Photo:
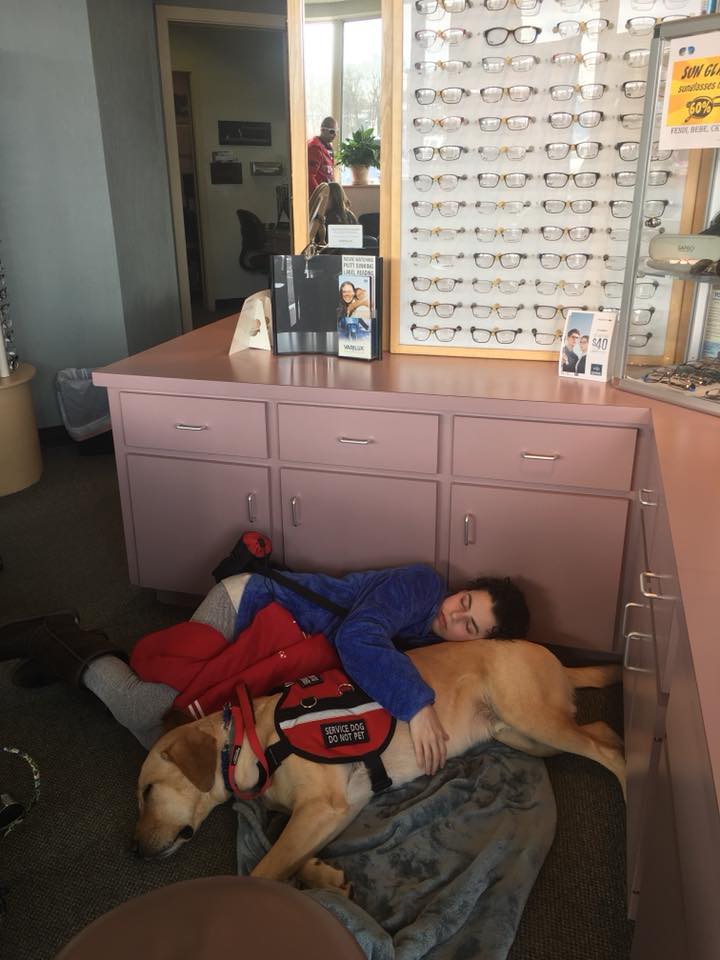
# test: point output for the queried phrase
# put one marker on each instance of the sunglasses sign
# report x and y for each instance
(691, 111)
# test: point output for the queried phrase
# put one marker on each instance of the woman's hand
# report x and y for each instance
(429, 740)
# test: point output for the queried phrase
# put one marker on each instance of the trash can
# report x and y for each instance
(83, 406)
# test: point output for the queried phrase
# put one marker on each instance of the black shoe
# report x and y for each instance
(64, 651)
(30, 674)
(15, 637)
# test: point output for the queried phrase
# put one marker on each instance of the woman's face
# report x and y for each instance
(467, 615)
(347, 292)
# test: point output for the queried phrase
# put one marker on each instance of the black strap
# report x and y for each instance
(240, 560)
(281, 750)
(275, 754)
(379, 779)
(305, 592)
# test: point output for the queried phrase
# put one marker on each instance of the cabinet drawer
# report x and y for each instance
(359, 438)
(194, 424)
(557, 453)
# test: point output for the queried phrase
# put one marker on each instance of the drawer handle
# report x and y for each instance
(628, 607)
(252, 512)
(295, 511)
(539, 456)
(626, 656)
(466, 529)
(645, 496)
(361, 443)
(195, 427)
(645, 590)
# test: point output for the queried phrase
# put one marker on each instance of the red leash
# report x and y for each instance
(241, 719)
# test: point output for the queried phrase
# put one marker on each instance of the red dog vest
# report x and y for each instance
(326, 718)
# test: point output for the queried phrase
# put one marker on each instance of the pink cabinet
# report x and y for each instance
(187, 514)
(564, 549)
(660, 928)
(660, 589)
(338, 522)
(697, 819)
(644, 717)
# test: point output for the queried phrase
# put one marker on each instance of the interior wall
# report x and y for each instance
(126, 72)
(58, 246)
(228, 66)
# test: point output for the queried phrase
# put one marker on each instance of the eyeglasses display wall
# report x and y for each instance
(520, 138)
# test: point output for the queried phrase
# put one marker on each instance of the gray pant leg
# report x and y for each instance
(139, 705)
(219, 608)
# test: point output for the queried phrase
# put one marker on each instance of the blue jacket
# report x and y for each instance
(384, 605)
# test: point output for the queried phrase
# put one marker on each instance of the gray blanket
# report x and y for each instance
(442, 867)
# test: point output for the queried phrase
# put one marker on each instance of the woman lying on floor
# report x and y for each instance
(185, 666)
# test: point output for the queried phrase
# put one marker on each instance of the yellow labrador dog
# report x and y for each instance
(512, 691)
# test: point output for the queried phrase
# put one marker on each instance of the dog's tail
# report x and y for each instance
(600, 676)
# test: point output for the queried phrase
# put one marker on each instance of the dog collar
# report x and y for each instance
(239, 722)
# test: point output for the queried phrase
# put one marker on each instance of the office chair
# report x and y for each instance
(253, 255)
(370, 222)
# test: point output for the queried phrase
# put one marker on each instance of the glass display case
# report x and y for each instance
(669, 316)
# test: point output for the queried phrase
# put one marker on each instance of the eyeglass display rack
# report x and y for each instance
(585, 58)
(688, 373)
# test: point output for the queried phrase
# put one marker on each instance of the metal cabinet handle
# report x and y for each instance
(252, 512)
(466, 529)
(361, 443)
(295, 511)
(628, 605)
(645, 496)
(191, 426)
(646, 591)
(539, 456)
(626, 655)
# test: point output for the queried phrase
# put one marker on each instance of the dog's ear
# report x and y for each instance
(195, 753)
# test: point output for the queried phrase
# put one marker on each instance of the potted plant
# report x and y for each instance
(360, 152)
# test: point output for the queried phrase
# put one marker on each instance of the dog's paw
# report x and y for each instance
(316, 873)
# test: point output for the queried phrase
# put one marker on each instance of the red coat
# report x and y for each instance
(320, 163)
(197, 660)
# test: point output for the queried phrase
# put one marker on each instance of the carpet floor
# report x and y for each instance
(61, 544)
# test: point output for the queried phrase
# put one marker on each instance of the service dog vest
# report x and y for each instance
(327, 718)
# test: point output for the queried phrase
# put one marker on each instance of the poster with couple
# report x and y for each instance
(356, 308)
(585, 350)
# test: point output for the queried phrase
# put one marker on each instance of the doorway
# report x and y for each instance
(188, 185)
(228, 153)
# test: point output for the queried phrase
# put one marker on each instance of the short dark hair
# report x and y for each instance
(574, 331)
(509, 606)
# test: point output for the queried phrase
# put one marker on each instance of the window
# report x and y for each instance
(361, 56)
(342, 58)
(319, 59)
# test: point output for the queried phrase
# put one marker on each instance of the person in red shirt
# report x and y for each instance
(320, 154)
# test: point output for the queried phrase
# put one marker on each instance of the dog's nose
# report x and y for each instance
(186, 833)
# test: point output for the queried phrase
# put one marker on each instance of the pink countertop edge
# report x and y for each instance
(688, 443)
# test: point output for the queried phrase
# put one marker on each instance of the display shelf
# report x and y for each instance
(692, 328)
(519, 138)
